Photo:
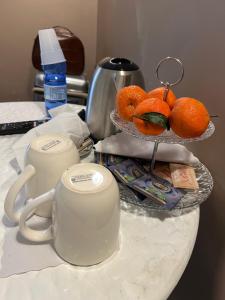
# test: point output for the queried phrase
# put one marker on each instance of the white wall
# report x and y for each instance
(19, 23)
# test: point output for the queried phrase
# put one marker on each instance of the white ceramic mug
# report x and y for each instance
(85, 217)
(46, 159)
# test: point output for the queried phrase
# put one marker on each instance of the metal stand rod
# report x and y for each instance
(167, 86)
(166, 91)
(153, 156)
(157, 179)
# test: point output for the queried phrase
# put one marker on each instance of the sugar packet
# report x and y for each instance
(183, 176)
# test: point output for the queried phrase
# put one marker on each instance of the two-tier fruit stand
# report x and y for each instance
(191, 198)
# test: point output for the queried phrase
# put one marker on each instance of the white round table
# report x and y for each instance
(153, 254)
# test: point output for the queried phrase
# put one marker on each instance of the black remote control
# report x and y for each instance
(19, 127)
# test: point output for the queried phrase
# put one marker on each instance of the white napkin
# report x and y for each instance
(127, 145)
(20, 255)
(65, 108)
(65, 121)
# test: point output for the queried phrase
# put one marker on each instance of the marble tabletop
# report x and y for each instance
(154, 249)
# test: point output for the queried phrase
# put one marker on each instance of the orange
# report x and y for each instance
(189, 118)
(127, 100)
(159, 93)
(153, 105)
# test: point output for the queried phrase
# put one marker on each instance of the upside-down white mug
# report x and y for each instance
(85, 215)
(47, 157)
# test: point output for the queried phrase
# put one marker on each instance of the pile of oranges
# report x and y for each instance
(152, 114)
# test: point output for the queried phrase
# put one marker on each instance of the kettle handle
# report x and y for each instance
(121, 80)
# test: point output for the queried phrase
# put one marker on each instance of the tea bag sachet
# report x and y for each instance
(135, 174)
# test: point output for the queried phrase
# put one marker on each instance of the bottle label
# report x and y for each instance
(55, 93)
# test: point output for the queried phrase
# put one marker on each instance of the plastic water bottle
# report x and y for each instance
(55, 92)
(54, 67)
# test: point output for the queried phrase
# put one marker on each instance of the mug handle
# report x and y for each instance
(32, 234)
(13, 192)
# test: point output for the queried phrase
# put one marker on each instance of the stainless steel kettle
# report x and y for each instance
(110, 75)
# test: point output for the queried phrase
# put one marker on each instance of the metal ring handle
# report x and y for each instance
(179, 63)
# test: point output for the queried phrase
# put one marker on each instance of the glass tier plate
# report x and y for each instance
(190, 200)
(168, 136)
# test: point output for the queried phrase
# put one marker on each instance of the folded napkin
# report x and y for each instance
(65, 108)
(127, 145)
(65, 121)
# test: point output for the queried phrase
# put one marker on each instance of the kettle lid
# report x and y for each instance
(118, 64)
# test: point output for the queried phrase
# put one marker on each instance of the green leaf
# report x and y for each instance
(155, 118)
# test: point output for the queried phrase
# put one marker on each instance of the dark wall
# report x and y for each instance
(146, 31)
